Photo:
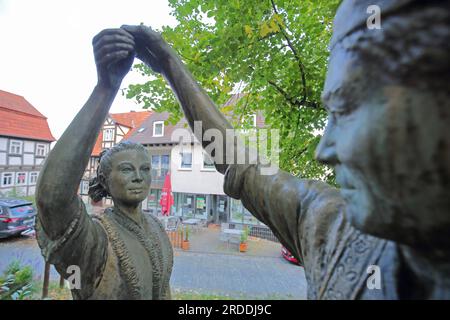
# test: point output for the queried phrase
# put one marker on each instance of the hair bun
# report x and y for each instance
(96, 191)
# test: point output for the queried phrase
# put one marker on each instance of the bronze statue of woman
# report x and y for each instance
(121, 254)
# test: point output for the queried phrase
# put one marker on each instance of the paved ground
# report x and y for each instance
(209, 267)
(246, 277)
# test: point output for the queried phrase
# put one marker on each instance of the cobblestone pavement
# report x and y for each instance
(216, 268)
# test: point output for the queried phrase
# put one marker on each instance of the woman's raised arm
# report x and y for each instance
(56, 194)
(196, 104)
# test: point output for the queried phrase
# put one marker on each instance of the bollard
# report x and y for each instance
(46, 280)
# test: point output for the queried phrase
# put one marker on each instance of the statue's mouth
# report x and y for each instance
(343, 178)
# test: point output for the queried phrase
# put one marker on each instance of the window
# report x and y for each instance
(158, 128)
(84, 187)
(240, 214)
(208, 164)
(153, 202)
(108, 135)
(160, 166)
(21, 178)
(164, 165)
(40, 150)
(7, 179)
(33, 178)
(15, 147)
(186, 160)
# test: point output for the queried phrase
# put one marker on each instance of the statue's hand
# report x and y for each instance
(114, 51)
(150, 46)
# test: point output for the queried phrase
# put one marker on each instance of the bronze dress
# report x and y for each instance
(308, 218)
(118, 258)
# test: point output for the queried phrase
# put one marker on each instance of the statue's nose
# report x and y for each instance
(326, 150)
(137, 176)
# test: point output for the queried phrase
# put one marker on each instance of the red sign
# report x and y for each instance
(166, 201)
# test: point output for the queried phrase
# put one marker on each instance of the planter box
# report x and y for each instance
(185, 245)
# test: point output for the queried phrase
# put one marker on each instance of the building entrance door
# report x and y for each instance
(222, 206)
(200, 207)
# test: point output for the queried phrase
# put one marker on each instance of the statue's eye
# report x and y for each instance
(126, 170)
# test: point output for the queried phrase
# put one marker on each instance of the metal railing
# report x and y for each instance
(257, 231)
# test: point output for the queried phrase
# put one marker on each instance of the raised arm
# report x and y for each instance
(196, 104)
(57, 187)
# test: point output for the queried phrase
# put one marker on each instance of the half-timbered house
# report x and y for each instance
(25, 139)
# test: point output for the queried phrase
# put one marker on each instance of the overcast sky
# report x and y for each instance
(46, 52)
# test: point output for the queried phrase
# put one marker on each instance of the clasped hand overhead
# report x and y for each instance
(115, 50)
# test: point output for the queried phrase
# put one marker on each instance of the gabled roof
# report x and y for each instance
(18, 118)
(144, 133)
(131, 120)
(98, 145)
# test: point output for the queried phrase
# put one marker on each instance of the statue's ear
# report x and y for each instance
(103, 181)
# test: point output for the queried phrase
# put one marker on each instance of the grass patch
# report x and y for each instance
(178, 294)
(54, 291)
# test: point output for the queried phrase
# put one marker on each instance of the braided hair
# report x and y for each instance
(97, 189)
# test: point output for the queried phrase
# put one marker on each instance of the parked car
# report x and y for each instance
(288, 256)
(16, 217)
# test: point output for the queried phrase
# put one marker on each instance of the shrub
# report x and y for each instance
(16, 282)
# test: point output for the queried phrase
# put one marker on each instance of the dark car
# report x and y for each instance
(288, 256)
(16, 217)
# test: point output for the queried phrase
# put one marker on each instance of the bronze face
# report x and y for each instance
(130, 177)
(388, 142)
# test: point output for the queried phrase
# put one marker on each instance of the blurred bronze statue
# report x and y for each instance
(387, 137)
(121, 254)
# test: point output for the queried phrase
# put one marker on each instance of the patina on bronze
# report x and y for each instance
(121, 254)
(388, 138)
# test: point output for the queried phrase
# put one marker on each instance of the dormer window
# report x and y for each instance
(158, 128)
(108, 135)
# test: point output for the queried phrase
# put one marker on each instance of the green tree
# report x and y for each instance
(274, 52)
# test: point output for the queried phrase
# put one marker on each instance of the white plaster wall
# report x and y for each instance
(15, 161)
(28, 159)
(28, 146)
(3, 158)
(3, 144)
(196, 180)
(31, 191)
(39, 161)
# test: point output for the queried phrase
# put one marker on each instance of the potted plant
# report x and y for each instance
(244, 237)
(185, 243)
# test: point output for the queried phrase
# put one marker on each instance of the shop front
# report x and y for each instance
(192, 205)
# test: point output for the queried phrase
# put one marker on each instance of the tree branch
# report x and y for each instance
(297, 57)
(294, 102)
